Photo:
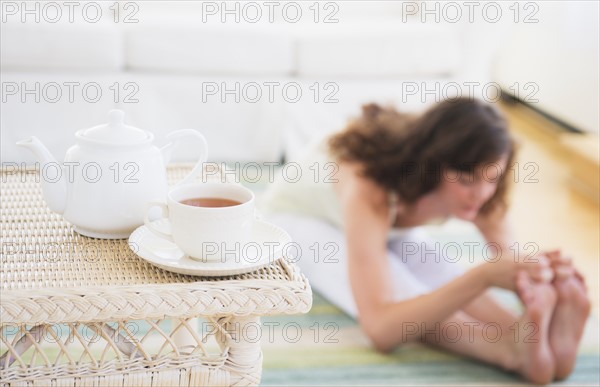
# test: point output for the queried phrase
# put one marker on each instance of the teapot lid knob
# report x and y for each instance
(116, 118)
(116, 132)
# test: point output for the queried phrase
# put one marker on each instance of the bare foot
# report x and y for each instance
(533, 355)
(568, 322)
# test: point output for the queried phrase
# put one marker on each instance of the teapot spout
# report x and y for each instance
(54, 189)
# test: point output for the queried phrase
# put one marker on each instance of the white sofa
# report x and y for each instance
(166, 66)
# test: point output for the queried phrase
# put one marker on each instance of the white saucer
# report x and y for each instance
(267, 246)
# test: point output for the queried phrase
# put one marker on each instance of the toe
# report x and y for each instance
(554, 255)
(543, 274)
(563, 271)
(524, 286)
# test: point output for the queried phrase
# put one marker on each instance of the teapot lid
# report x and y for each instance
(116, 132)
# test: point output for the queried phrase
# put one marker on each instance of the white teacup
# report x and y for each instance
(207, 233)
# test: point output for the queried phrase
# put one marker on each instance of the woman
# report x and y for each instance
(356, 213)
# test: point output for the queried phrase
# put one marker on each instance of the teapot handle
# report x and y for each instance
(179, 136)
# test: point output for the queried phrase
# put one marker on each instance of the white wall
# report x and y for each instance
(559, 53)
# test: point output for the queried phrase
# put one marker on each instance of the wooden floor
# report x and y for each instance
(549, 212)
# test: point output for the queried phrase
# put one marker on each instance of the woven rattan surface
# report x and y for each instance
(52, 274)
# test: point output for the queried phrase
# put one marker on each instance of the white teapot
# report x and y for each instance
(109, 175)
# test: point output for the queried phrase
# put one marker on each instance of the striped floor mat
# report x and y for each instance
(326, 347)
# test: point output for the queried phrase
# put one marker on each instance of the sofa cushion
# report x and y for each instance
(193, 47)
(235, 131)
(62, 46)
(307, 121)
(53, 119)
(377, 49)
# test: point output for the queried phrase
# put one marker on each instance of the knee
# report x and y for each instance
(384, 342)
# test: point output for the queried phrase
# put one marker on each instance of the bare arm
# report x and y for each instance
(365, 209)
(384, 321)
(495, 227)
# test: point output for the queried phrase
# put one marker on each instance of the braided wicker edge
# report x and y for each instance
(179, 300)
(182, 369)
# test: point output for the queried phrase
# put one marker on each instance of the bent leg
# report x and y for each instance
(524, 349)
(424, 258)
(487, 309)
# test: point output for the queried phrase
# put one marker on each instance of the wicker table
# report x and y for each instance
(82, 311)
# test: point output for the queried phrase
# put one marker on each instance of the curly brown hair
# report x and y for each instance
(408, 154)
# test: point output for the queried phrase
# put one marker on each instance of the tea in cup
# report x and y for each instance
(209, 221)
